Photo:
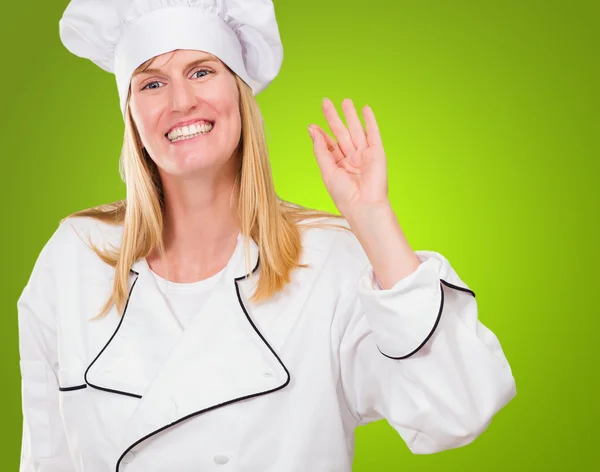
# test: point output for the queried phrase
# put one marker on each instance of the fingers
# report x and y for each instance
(357, 132)
(373, 135)
(350, 139)
(337, 127)
(325, 158)
(332, 145)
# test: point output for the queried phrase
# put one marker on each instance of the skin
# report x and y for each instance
(354, 171)
(197, 174)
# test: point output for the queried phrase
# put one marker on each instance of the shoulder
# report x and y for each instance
(338, 245)
(71, 244)
(76, 233)
(67, 257)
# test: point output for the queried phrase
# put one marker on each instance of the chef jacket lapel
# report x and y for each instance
(142, 341)
(221, 357)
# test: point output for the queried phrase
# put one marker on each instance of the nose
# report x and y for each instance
(183, 95)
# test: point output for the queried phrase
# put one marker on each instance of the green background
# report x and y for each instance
(489, 116)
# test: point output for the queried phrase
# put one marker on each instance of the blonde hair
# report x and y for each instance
(271, 222)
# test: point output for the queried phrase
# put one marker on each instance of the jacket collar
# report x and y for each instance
(236, 267)
(220, 358)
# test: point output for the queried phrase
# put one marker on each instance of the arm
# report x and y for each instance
(44, 447)
(417, 355)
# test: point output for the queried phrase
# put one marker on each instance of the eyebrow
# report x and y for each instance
(154, 70)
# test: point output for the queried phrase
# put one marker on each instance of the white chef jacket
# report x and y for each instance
(278, 386)
(185, 300)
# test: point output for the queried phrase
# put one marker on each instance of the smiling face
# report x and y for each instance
(186, 109)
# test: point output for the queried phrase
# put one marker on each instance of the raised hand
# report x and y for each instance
(354, 167)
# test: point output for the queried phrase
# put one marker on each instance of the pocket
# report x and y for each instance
(37, 405)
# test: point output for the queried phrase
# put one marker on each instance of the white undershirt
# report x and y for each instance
(186, 299)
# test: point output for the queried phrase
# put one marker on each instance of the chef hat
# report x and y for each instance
(120, 35)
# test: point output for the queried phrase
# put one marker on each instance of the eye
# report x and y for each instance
(150, 85)
(208, 71)
(147, 86)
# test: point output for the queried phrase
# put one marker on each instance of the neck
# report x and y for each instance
(200, 229)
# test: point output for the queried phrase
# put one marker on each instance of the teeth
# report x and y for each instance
(189, 131)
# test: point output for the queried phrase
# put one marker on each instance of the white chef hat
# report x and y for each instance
(120, 35)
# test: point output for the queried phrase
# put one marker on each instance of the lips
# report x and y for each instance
(194, 132)
(181, 124)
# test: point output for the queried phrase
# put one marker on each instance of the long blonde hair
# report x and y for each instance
(271, 222)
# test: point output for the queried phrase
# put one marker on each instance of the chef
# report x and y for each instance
(205, 324)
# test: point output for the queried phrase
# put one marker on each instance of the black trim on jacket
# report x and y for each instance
(229, 402)
(68, 389)
(135, 395)
(448, 284)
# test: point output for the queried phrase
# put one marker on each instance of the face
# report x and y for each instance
(186, 109)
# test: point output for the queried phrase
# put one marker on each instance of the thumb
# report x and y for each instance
(325, 158)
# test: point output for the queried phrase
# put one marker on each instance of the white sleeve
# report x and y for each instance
(44, 447)
(417, 355)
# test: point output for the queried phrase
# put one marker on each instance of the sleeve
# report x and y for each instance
(44, 447)
(417, 355)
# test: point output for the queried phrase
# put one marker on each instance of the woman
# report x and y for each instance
(203, 321)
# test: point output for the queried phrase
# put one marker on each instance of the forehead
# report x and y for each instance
(179, 57)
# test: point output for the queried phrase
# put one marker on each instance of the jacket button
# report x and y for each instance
(128, 457)
(221, 459)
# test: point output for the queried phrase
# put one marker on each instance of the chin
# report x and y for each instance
(191, 165)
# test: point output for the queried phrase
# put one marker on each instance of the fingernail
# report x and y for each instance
(310, 131)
